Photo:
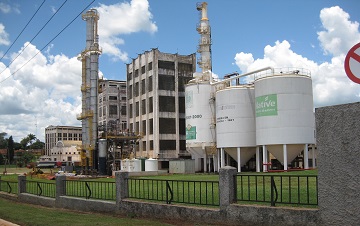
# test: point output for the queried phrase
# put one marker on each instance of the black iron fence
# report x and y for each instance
(9, 186)
(91, 189)
(47, 189)
(294, 190)
(177, 191)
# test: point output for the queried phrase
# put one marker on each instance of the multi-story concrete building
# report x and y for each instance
(156, 102)
(53, 134)
(112, 104)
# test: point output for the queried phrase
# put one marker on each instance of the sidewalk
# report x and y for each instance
(6, 223)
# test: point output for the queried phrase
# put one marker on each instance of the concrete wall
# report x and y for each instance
(338, 143)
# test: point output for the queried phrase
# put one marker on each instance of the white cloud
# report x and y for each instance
(6, 8)
(123, 18)
(340, 33)
(44, 92)
(330, 83)
(4, 36)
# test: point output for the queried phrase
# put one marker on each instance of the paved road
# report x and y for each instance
(6, 223)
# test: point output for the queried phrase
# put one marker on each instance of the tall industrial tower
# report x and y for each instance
(204, 47)
(89, 89)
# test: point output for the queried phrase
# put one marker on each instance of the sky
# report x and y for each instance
(40, 76)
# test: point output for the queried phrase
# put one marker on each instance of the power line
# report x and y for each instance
(23, 49)
(22, 30)
(48, 43)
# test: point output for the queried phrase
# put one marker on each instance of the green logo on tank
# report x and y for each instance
(266, 105)
(190, 132)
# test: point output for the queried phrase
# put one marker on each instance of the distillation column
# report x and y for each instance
(204, 47)
(89, 89)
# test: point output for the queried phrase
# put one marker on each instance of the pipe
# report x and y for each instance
(243, 75)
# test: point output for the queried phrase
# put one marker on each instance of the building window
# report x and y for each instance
(166, 82)
(112, 97)
(150, 66)
(143, 70)
(143, 107)
(123, 110)
(143, 86)
(150, 105)
(113, 110)
(150, 85)
(137, 108)
(166, 104)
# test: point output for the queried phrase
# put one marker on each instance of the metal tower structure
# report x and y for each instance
(204, 47)
(89, 89)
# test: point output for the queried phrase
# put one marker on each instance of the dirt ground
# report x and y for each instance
(22, 170)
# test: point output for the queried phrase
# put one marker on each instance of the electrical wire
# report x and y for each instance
(48, 43)
(23, 49)
(22, 30)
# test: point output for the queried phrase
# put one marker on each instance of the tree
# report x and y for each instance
(27, 141)
(3, 142)
(37, 145)
(11, 148)
(1, 159)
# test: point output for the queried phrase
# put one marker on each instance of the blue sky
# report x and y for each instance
(246, 35)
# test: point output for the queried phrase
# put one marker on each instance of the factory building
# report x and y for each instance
(156, 103)
(112, 105)
(61, 145)
(268, 115)
(53, 134)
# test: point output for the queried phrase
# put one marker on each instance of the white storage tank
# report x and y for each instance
(235, 121)
(284, 113)
(136, 165)
(125, 165)
(151, 164)
(199, 119)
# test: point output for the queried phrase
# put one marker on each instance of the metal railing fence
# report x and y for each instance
(91, 189)
(10, 187)
(294, 190)
(46, 189)
(177, 191)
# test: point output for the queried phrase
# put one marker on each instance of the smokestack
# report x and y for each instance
(204, 47)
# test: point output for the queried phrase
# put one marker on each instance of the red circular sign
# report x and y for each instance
(352, 63)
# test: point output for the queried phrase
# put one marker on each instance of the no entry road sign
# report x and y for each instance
(352, 63)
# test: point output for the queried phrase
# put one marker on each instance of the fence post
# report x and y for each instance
(121, 186)
(272, 190)
(60, 187)
(227, 186)
(21, 184)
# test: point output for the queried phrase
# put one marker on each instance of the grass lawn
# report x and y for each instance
(25, 214)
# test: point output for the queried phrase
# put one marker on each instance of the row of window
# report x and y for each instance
(165, 82)
(113, 111)
(166, 126)
(64, 135)
(166, 104)
(60, 153)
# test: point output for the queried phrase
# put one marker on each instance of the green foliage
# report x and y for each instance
(11, 149)
(37, 145)
(27, 141)
(1, 159)
(3, 141)
(25, 158)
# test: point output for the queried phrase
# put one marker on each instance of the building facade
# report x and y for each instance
(112, 105)
(156, 102)
(53, 134)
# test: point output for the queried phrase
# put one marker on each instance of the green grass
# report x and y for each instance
(25, 214)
